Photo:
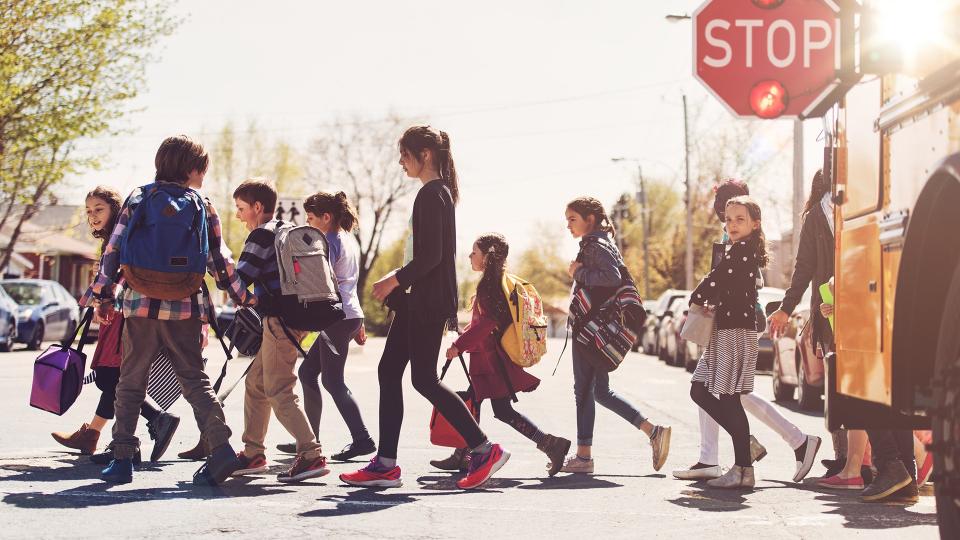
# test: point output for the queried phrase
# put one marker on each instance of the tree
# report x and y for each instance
(361, 155)
(68, 70)
(544, 265)
(376, 316)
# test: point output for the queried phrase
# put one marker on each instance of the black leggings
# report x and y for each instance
(106, 380)
(417, 341)
(503, 411)
(728, 412)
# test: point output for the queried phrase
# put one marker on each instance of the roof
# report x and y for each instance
(54, 230)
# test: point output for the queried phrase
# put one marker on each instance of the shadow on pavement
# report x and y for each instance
(79, 468)
(449, 483)
(570, 481)
(712, 499)
(360, 501)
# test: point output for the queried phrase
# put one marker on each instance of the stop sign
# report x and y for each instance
(768, 58)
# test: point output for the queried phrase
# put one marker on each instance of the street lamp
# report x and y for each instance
(645, 218)
(677, 17)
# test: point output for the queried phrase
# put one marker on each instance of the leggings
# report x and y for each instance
(106, 380)
(503, 411)
(325, 361)
(416, 340)
(728, 411)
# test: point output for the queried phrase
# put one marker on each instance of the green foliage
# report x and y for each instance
(544, 265)
(376, 317)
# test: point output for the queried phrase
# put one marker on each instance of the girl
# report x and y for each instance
(491, 315)
(336, 217)
(103, 209)
(423, 296)
(597, 268)
(728, 363)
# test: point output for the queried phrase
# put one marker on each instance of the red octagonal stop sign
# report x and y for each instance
(768, 58)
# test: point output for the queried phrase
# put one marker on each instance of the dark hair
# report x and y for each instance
(490, 289)
(257, 191)
(112, 198)
(726, 190)
(419, 138)
(588, 206)
(177, 157)
(337, 205)
(819, 187)
(753, 208)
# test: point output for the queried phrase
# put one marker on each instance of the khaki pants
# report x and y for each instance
(269, 385)
(142, 339)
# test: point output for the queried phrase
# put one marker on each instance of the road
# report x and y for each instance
(48, 492)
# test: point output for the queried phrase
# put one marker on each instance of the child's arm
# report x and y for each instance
(473, 336)
(220, 263)
(599, 268)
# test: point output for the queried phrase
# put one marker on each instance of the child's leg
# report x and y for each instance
(709, 439)
(334, 359)
(393, 362)
(503, 410)
(764, 411)
(309, 373)
(256, 409)
(106, 380)
(141, 341)
(856, 444)
(623, 408)
(583, 392)
(738, 427)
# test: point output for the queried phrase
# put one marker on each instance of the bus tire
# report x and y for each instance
(946, 415)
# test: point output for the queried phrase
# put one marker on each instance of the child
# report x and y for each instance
(336, 217)
(154, 324)
(491, 315)
(423, 296)
(103, 209)
(597, 269)
(271, 379)
(729, 361)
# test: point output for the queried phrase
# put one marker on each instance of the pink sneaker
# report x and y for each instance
(925, 470)
(835, 482)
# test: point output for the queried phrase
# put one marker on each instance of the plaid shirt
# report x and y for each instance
(133, 304)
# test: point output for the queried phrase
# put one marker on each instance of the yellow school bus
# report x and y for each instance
(893, 150)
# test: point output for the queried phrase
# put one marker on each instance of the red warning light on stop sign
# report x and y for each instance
(744, 46)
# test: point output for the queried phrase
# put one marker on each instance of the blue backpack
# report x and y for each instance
(164, 249)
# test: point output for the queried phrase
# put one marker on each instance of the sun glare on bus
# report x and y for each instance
(915, 28)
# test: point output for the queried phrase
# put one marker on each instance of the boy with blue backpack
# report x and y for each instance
(165, 240)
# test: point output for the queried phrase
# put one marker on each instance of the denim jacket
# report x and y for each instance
(601, 265)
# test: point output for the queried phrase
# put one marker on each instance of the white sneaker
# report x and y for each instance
(576, 464)
(705, 473)
(803, 467)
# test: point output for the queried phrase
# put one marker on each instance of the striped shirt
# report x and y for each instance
(219, 265)
(258, 261)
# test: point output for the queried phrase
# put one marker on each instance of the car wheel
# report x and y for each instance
(808, 396)
(37, 339)
(781, 390)
(7, 344)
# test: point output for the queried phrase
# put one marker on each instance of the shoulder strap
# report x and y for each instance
(212, 317)
(82, 330)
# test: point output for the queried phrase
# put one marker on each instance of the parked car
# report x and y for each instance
(670, 328)
(652, 325)
(797, 364)
(8, 321)
(767, 295)
(45, 311)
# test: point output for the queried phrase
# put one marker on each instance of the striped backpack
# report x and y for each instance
(525, 340)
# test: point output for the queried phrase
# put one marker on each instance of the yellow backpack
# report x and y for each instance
(525, 340)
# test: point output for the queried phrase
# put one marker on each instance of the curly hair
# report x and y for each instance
(112, 198)
(726, 190)
(753, 208)
(588, 206)
(490, 289)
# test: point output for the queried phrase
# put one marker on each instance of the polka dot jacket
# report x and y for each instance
(732, 287)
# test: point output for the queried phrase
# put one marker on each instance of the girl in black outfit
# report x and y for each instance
(423, 297)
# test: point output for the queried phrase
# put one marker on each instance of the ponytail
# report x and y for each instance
(588, 206)
(337, 205)
(418, 138)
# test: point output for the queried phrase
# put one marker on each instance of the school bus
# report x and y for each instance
(893, 150)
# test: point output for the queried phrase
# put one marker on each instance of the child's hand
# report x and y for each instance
(574, 266)
(105, 312)
(778, 322)
(361, 336)
(452, 352)
(826, 309)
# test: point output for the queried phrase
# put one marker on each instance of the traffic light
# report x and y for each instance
(768, 99)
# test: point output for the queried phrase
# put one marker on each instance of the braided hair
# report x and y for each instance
(418, 138)
(490, 289)
(588, 206)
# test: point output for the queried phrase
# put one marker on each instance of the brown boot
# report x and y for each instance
(198, 452)
(556, 449)
(84, 439)
(455, 462)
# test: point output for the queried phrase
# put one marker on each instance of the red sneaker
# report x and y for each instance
(304, 468)
(250, 465)
(483, 466)
(923, 474)
(835, 482)
(373, 475)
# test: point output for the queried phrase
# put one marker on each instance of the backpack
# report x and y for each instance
(308, 286)
(525, 340)
(164, 248)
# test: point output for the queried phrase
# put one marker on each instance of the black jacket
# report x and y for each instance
(432, 274)
(814, 265)
(731, 286)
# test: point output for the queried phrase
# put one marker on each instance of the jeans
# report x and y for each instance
(591, 386)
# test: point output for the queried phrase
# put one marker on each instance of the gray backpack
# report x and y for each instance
(309, 294)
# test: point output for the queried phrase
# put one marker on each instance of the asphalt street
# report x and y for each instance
(50, 492)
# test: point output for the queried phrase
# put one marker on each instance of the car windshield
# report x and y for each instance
(25, 294)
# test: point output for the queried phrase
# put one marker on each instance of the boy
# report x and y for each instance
(271, 379)
(152, 324)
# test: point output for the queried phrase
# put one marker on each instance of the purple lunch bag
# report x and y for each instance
(58, 372)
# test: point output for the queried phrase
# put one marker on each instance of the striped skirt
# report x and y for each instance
(729, 362)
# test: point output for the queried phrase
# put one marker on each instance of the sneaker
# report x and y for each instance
(577, 464)
(891, 477)
(304, 468)
(161, 431)
(483, 466)
(120, 471)
(373, 475)
(556, 449)
(355, 449)
(925, 470)
(288, 448)
(458, 461)
(757, 450)
(836, 482)
(700, 471)
(250, 465)
(84, 439)
(660, 443)
(105, 457)
(805, 457)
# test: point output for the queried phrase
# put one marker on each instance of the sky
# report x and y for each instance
(537, 96)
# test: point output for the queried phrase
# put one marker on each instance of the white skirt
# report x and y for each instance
(729, 362)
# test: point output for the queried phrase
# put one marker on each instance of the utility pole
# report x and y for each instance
(797, 182)
(688, 259)
(645, 219)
